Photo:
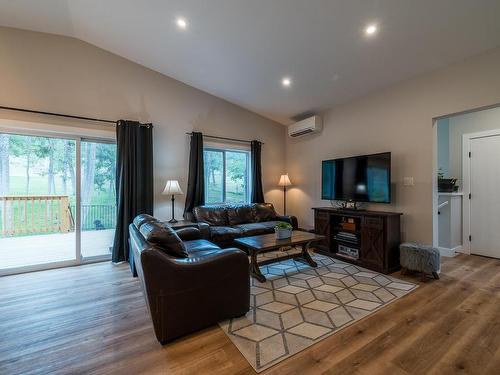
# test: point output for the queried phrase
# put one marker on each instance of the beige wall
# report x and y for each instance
(397, 119)
(60, 74)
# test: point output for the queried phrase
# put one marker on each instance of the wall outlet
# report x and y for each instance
(408, 181)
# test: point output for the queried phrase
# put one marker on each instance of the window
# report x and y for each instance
(226, 176)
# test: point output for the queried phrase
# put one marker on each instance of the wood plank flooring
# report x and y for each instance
(93, 320)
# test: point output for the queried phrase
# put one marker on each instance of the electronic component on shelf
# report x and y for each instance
(348, 252)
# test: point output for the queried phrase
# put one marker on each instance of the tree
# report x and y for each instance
(213, 163)
(88, 168)
(51, 170)
(44, 149)
(66, 166)
(105, 168)
(4, 164)
(24, 146)
(236, 166)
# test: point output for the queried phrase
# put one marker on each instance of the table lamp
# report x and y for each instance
(172, 188)
(284, 181)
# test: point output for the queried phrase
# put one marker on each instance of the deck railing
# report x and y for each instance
(33, 214)
(30, 214)
(97, 216)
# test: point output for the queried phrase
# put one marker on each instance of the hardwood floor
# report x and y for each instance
(93, 320)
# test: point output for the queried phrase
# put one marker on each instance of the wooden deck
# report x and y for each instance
(47, 248)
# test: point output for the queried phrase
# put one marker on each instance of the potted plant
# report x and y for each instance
(446, 185)
(283, 231)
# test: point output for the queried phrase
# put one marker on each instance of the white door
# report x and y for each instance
(485, 196)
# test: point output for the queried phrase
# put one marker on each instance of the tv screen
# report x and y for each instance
(364, 178)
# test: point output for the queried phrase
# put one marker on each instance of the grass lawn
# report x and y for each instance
(214, 193)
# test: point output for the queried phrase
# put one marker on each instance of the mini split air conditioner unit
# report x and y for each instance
(307, 126)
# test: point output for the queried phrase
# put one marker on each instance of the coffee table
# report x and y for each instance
(268, 242)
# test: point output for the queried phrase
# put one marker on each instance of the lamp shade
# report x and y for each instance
(172, 188)
(284, 180)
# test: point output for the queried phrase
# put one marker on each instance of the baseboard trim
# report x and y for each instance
(446, 252)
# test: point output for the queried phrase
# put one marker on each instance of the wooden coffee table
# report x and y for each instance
(268, 242)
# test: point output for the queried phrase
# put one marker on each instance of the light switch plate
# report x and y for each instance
(408, 181)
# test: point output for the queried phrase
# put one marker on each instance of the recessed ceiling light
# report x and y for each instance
(371, 29)
(181, 23)
(286, 82)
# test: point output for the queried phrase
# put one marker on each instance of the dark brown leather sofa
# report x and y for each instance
(189, 282)
(228, 222)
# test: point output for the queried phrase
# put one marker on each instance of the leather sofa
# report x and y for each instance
(189, 282)
(228, 222)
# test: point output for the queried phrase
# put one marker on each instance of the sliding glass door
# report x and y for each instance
(57, 201)
(98, 198)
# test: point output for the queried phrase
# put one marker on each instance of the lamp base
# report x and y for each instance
(173, 221)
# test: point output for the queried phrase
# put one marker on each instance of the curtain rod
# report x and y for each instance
(56, 114)
(62, 115)
(225, 138)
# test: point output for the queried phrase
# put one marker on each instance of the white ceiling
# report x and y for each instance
(239, 50)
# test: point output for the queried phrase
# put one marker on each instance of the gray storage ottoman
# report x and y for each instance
(421, 258)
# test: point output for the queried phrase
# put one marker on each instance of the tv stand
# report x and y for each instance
(369, 239)
(351, 209)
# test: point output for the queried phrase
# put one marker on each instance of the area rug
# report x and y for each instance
(299, 305)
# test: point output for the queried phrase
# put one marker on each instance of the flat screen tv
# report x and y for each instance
(364, 178)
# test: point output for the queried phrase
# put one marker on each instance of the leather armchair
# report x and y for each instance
(185, 294)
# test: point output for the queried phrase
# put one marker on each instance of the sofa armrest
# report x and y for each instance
(188, 233)
(204, 229)
(292, 220)
(167, 275)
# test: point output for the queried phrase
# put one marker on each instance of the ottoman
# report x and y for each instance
(421, 258)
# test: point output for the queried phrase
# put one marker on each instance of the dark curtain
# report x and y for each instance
(195, 195)
(134, 180)
(257, 191)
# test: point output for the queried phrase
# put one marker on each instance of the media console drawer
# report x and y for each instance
(373, 222)
(321, 215)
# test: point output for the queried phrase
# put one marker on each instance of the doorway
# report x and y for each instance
(57, 201)
(467, 162)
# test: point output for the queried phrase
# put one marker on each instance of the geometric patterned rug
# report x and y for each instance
(299, 305)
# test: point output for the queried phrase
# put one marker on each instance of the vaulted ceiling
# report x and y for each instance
(241, 50)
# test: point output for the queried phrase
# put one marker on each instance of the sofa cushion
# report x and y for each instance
(241, 214)
(197, 246)
(264, 212)
(165, 237)
(211, 214)
(224, 234)
(143, 218)
(256, 229)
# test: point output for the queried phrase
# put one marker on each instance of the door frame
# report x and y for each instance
(78, 135)
(466, 172)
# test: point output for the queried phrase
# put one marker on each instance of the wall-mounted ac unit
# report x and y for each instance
(307, 126)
